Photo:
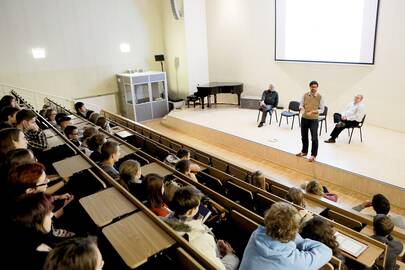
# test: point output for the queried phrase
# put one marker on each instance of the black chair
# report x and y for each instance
(239, 195)
(322, 118)
(193, 98)
(359, 127)
(293, 111)
(274, 109)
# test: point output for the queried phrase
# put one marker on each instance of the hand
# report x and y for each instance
(367, 204)
(262, 103)
(314, 112)
(224, 248)
(344, 118)
(34, 127)
(302, 110)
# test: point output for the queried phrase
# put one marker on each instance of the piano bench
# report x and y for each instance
(194, 99)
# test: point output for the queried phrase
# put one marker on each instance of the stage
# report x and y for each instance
(369, 167)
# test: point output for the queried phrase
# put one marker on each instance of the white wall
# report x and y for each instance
(241, 48)
(82, 42)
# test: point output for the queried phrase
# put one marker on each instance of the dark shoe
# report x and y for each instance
(300, 154)
(330, 141)
(261, 124)
(340, 125)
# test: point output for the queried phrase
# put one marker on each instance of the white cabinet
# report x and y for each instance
(143, 95)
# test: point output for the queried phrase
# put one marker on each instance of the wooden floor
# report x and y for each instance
(241, 122)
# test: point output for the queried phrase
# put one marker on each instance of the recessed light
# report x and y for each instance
(38, 53)
(125, 48)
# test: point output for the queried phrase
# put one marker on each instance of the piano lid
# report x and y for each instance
(219, 84)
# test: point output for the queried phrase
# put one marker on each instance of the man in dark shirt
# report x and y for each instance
(268, 102)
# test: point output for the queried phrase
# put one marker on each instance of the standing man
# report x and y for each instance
(351, 117)
(268, 102)
(311, 106)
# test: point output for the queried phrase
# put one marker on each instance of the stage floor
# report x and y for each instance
(379, 156)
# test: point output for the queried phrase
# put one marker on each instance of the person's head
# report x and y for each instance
(94, 117)
(12, 138)
(314, 187)
(296, 196)
(185, 201)
(26, 118)
(170, 187)
(282, 222)
(381, 204)
(382, 225)
(8, 114)
(8, 100)
(59, 115)
(34, 211)
(259, 180)
(80, 108)
(96, 141)
(88, 132)
(154, 189)
(75, 254)
(102, 122)
(27, 178)
(183, 154)
(110, 151)
(319, 229)
(64, 121)
(358, 98)
(18, 157)
(313, 86)
(50, 114)
(72, 132)
(183, 166)
(271, 87)
(130, 170)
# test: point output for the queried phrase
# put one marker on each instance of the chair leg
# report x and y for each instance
(292, 124)
(326, 126)
(279, 123)
(320, 130)
(351, 134)
(271, 114)
(275, 113)
(299, 120)
(287, 120)
(258, 114)
(361, 135)
(188, 103)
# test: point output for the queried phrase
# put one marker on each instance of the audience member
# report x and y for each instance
(10, 139)
(184, 166)
(26, 121)
(8, 117)
(182, 154)
(383, 227)
(259, 180)
(110, 153)
(94, 117)
(103, 123)
(351, 117)
(381, 205)
(63, 122)
(319, 229)
(72, 133)
(314, 187)
(130, 178)
(8, 101)
(50, 116)
(155, 190)
(75, 254)
(296, 196)
(87, 133)
(81, 109)
(185, 204)
(95, 143)
(279, 246)
(268, 102)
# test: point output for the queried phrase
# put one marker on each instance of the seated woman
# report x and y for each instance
(75, 253)
(130, 178)
(279, 246)
(259, 180)
(184, 166)
(103, 123)
(319, 229)
(50, 115)
(8, 100)
(154, 191)
(8, 117)
(296, 196)
(95, 143)
(314, 187)
(10, 139)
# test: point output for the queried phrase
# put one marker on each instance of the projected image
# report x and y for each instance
(337, 31)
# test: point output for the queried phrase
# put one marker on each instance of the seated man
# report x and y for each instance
(26, 121)
(268, 102)
(81, 109)
(185, 204)
(351, 117)
(381, 205)
(110, 153)
(63, 122)
(182, 154)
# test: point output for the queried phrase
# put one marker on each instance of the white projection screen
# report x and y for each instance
(333, 31)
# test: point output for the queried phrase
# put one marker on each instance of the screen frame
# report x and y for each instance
(324, 62)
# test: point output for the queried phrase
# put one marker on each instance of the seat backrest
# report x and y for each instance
(155, 137)
(161, 153)
(185, 261)
(165, 141)
(202, 158)
(219, 164)
(262, 204)
(325, 111)
(294, 106)
(238, 173)
(327, 266)
(278, 191)
(362, 121)
(210, 181)
(344, 220)
(146, 133)
(237, 193)
(175, 146)
(242, 228)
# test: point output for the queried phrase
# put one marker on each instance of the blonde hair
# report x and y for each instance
(282, 222)
(314, 187)
(259, 180)
(296, 196)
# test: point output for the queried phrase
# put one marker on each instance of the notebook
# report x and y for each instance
(350, 245)
(203, 213)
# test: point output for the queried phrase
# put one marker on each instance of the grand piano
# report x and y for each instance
(214, 88)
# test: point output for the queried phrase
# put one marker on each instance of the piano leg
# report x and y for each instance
(239, 99)
(215, 98)
(202, 102)
(209, 100)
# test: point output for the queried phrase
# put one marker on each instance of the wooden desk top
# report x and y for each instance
(136, 238)
(71, 165)
(367, 230)
(314, 207)
(76, 121)
(154, 168)
(106, 205)
(49, 132)
(54, 141)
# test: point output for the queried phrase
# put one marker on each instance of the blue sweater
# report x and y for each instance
(262, 252)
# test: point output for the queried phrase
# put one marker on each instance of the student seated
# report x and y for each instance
(314, 187)
(72, 133)
(259, 180)
(170, 187)
(50, 115)
(279, 246)
(75, 254)
(383, 227)
(130, 178)
(185, 204)
(81, 109)
(10, 139)
(155, 190)
(8, 100)
(8, 117)
(26, 121)
(95, 143)
(184, 166)
(63, 122)
(381, 205)
(110, 153)
(296, 196)
(182, 154)
(103, 123)
(88, 132)
(94, 117)
(319, 229)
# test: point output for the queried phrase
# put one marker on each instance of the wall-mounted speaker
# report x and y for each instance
(175, 10)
